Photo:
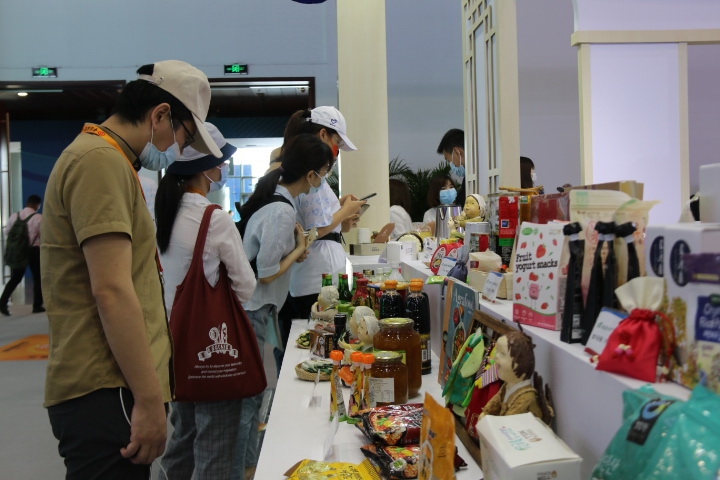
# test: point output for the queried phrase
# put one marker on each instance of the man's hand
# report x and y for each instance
(148, 432)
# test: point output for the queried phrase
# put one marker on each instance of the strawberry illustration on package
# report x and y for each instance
(538, 275)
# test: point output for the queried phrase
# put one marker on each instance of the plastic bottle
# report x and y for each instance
(391, 303)
(417, 307)
(367, 400)
(344, 288)
(395, 273)
(356, 388)
(337, 403)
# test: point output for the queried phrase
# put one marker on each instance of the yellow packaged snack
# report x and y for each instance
(316, 470)
(437, 442)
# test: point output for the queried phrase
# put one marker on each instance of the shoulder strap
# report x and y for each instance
(202, 234)
(276, 197)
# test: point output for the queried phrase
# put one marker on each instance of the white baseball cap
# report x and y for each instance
(193, 161)
(191, 87)
(332, 118)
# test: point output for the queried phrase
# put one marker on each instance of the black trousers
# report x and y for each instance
(17, 275)
(294, 308)
(91, 430)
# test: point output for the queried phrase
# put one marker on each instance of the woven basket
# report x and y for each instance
(309, 376)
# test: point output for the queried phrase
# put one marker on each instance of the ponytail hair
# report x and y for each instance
(302, 154)
(167, 203)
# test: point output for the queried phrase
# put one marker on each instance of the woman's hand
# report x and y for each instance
(350, 222)
(300, 238)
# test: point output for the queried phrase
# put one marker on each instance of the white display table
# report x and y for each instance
(297, 431)
(588, 402)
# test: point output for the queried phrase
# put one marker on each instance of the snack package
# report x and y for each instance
(437, 442)
(691, 448)
(392, 424)
(313, 469)
(647, 417)
(400, 462)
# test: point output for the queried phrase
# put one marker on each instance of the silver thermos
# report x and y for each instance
(444, 215)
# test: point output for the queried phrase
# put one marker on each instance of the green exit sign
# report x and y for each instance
(236, 69)
(44, 72)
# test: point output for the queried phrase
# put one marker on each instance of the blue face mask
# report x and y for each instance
(316, 189)
(458, 171)
(153, 159)
(217, 185)
(447, 197)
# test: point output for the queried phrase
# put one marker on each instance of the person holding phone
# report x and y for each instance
(322, 209)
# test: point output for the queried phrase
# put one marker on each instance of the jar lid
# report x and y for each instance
(384, 356)
(396, 322)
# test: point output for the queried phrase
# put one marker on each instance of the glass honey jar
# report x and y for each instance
(398, 335)
(388, 380)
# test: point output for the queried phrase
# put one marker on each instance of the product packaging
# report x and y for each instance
(522, 447)
(461, 300)
(538, 268)
(503, 216)
(437, 442)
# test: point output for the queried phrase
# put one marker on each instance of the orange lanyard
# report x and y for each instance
(95, 130)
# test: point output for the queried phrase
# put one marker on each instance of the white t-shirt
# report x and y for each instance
(223, 244)
(402, 220)
(325, 256)
(270, 237)
(430, 215)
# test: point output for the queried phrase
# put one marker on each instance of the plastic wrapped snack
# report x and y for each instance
(313, 470)
(392, 424)
(400, 462)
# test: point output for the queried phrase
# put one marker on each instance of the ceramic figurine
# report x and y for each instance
(326, 306)
(515, 362)
(473, 211)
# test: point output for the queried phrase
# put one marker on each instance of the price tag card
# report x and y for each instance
(492, 285)
(328, 445)
(604, 326)
(446, 265)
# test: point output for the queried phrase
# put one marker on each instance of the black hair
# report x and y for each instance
(300, 123)
(452, 138)
(526, 167)
(301, 154)
(400, 194)
(33, 200)
(167, 203)
(140, 96)
(437, 183)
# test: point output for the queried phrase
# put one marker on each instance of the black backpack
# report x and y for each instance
(17, 246)
(242, 224)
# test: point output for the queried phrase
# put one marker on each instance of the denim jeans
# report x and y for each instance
(248, 450)
(204, 438)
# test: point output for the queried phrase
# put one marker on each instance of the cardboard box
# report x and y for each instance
(631, 187)
(321, 343)
(682, 238)
(709, 193)
(476, 279)
(362, 249)
(522, 447)
(655, 250)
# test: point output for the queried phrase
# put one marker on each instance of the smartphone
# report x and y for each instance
(363, 208)
(368, 196)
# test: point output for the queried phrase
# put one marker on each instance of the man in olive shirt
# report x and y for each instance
(108, 376)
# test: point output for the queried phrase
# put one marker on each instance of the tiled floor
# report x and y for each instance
(28, 449)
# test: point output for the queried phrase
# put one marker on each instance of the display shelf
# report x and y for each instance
(299, 426)
(588, 402)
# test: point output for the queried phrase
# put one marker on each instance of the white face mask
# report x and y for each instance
(314, 189)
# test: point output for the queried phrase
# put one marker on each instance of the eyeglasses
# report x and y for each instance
(321, 176)
(189, 139)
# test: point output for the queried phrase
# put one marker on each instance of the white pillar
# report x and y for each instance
(362, 86)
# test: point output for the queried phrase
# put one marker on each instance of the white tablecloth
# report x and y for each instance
(298, 431)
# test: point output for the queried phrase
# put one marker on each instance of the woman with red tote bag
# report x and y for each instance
(202, 255)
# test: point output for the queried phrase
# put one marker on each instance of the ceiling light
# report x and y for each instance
(22, 94)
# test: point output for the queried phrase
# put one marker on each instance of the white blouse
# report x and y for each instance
(223, 244)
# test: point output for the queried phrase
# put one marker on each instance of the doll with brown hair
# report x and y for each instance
(515, 362)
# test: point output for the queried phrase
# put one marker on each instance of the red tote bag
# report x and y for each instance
(216, 353)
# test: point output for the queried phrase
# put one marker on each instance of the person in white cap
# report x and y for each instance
(204, 434)
(108, 376)
(320, 208)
